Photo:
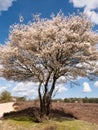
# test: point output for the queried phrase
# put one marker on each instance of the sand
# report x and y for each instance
(6, 107)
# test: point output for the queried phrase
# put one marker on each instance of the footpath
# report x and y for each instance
(6, 107)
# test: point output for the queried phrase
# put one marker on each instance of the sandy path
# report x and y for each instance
(6, 107)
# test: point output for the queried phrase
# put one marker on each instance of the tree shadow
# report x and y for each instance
(33, 114)
(61, 115)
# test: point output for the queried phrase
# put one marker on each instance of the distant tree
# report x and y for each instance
(5, 96)
(21, 98)
(66, 100)
(47, 50)
(85, 100)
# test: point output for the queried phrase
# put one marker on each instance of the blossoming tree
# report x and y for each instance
(45, 50)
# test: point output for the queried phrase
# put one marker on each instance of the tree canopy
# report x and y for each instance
(46, 49)
(5, 96)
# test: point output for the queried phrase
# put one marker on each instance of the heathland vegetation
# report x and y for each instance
(69, 116)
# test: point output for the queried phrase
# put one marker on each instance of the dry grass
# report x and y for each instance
(48, 125)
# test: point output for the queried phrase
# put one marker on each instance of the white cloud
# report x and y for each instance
(2, 79)
(2, 88)
(86, 88)
(28, 89)
(6, 83)
(61, 79)
(90, 7)
(5, 4)
(79, 3)
(96, 84)
(61, 88)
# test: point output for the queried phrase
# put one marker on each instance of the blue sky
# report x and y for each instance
(10, 10)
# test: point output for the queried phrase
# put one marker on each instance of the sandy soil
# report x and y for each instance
(6, 107)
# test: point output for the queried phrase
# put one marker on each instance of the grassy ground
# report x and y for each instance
(27, 124)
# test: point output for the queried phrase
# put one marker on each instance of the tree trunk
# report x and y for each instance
(40, 100)
(45, 100)
(48, 98)
(48, 105)
(45, 105)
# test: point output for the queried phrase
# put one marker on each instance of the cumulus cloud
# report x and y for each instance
(2, 88)
(86, 88)
(90, 8)
(5, 85)
(61, 88)
(96, 84)
(61, 79)
(28, 89)
(5, 4)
